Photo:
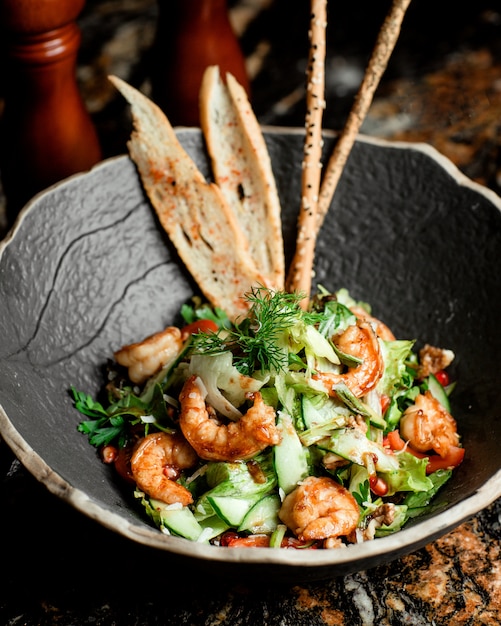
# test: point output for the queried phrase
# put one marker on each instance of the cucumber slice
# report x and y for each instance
(289, 455)
(352, 444)
(263, 516)
(203, 509)
(233, 482)
(178, 521)
(216, 525)
(230, 509)
(438, 392)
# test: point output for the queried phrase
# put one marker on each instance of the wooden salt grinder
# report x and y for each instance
(191, 35)
(47, 133)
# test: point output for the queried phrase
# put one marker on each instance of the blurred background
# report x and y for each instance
(442, 85)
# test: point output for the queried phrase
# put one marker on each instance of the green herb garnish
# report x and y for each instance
(257, 342)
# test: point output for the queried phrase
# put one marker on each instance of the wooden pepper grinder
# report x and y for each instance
(191, 35)
(47, 133)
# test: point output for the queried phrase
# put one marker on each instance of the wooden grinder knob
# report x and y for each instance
(47, 133)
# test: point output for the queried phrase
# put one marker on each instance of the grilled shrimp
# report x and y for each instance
(145, 358)
(358, 340)
(215, 441)
(380, 328)
(156, 464)
(320, 508)
(427, 425)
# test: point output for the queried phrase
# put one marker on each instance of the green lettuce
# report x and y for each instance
(395, 354)
(410, 476)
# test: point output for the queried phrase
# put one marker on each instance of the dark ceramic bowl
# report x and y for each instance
(87, 269)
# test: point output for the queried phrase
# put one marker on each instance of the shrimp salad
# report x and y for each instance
(289, 428)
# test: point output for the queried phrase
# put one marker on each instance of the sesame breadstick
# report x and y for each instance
(385, 44)
(300, 272)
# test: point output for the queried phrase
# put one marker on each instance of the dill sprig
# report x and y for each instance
(256, 340)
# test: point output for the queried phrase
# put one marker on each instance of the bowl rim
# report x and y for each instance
(406, 540)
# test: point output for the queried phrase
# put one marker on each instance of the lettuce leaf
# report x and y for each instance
(395, 354)
(411, 475)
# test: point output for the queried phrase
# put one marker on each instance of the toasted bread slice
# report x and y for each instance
(242, 169)
(193, 212)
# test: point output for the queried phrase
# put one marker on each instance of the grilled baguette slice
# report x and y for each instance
(242, 169)
(193, 212)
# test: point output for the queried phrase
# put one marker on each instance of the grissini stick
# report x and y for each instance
(385, 43)
(300, 272)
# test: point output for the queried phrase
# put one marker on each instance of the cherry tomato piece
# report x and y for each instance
(396, 443)
(199, 326)
(443, 378)
(452, 459)
(394, 440)
(252, 541)
(378, 486)
(228, 537)
(231, 539)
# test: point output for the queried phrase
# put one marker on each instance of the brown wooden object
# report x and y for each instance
(191, 35)
(46, 131)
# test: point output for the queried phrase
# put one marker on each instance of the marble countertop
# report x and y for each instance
(443, 87)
